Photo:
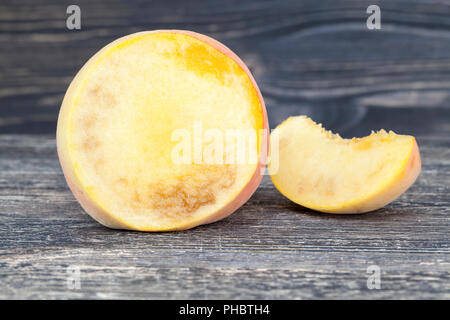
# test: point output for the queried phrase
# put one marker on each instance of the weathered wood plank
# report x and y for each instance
(270, 248)
(309, 57)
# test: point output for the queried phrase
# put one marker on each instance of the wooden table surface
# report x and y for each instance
(308, 57)
(270, 248)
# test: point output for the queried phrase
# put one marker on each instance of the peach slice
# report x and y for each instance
(324, 172)
(143, 132)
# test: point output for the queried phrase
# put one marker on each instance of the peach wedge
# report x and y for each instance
(145, 129)
(324, 172)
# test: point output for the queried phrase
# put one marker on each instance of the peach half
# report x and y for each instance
(147, 129)
(324, 172)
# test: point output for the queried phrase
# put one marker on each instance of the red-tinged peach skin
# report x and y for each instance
(115, 133)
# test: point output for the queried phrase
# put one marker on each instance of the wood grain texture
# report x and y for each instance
(309, 57)
(270, 248)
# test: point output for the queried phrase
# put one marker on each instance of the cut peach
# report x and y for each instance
(322, 171)
(142, 132)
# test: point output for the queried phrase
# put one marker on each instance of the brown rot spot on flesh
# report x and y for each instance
(180, 198)
(319, 182)
(91, 144)
(99, 164)
(123, 181)
(88, 122)
(187, 193)
(136, 197)
(102, 97)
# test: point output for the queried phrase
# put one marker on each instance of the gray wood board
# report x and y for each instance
(309, 57)
(270, 248)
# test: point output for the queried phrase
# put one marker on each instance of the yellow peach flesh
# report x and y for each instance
(324, 172)
(116, 125)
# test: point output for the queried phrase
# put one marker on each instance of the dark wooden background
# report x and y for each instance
(308, 57)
